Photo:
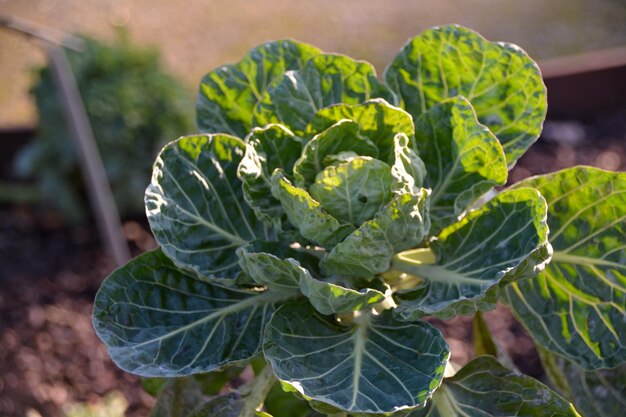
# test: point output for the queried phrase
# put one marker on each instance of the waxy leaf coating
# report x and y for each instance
(367, 251)
(279, 275)
(229, 94)
(307, 214)
(377, 365)
(485, 388)
(334, 298)
(503, 84)
(325, 79)
(577, 306)
(377, 119)
(195, 204)
(600, 393)
(159, 321)
(353, 191)
(503, 241)
(344, 137)
(268, 148)
(463, 157)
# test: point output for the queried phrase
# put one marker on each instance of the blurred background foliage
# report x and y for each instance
(197, 35)
(134, 107)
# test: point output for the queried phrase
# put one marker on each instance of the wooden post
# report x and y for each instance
(91, 165)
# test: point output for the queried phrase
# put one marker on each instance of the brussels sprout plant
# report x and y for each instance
(323, 214)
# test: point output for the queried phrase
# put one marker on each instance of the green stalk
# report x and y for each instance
(485, 343)
(483, 339)
(555, 372)
(409, 261)
(405, 268)
(260, 388)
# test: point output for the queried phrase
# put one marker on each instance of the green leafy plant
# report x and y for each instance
(325, 213)
(134, 107)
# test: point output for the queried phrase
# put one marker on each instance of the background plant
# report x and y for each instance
(325, 213)
(134, 107)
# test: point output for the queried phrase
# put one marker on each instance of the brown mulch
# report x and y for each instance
(49, 353)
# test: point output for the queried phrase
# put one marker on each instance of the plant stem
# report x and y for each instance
(444, 402)
(405, 268)
(483, 339)
(407, 261)
(261, 387)
(485, 343)
(555, 372)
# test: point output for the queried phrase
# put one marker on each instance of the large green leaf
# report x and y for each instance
(229, 94)
(353, 191)
(325, 79)
(576, 307)
(378, 120)
(503, 241)
(334, 298)
(342, 137)
(158, 321)
(485, 388)
(463, 157)
(503, 84)
(307, 215)
(377, 365)
(600, 393)
(268, 148)
(195, 204)
(400, 225)
(279, 275)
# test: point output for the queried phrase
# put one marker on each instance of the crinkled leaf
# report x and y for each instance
(279, 275)
(379, 121)
(307, 215)
(485, 388)
(600, 393)
(576, 307)
(158, 321)
(333, 298)
(353, 191)
(325, 79)
(267, 149)
(229, 94)
(195, 204)
(408, 168)
(342, 137)
(378, 365)
(503, 84)
(400, 225)
(503, 241)
(463, 157)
